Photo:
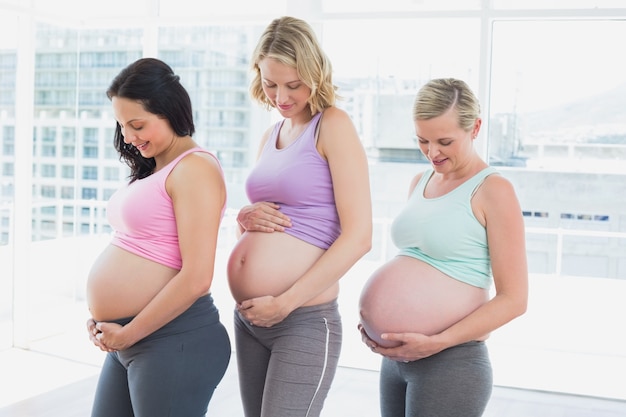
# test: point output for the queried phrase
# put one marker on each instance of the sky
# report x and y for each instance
(536, 65)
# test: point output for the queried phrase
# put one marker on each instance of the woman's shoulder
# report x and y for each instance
(336, 122)
(495, 180)
(335, 114)
(199, 162)
(496, 188)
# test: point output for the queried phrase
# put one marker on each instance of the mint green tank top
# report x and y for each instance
(444, 232)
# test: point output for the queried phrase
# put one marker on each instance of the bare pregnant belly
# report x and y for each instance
(269, 263)
(121, 284)
(408, 295)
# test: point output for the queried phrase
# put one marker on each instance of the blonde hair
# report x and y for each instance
(440, 95)
(292, 42)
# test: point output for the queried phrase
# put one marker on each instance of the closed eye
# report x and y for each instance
(442, 143)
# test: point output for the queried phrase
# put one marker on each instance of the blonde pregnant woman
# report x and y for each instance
(309, 222)
(148, 292)
(428, 311)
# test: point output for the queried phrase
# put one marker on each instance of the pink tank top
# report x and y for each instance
(142, 217)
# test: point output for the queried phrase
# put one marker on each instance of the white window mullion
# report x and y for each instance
(22, 212)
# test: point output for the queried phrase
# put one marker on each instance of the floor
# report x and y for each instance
(41, 385)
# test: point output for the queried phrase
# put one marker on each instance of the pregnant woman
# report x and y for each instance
(429, 310)
(148, 292)
(310, 221)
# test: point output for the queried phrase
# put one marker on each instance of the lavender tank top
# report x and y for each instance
(298, 179)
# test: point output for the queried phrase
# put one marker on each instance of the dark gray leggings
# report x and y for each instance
(287, 369)
(173, 372)
(456, 382)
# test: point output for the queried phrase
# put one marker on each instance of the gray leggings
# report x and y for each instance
(172, 372)
(287, 369)
(456, 382)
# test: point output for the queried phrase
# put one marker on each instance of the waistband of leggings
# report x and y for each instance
(202, 312)
(331, 305)
(330, 309)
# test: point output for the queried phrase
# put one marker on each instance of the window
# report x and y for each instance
(68, 135)
(562, 122)
(48, 134)
(88, 193)
(107, 193)
(7, 169)
(90, 173)
(48, 150)
(110, 152)
(90, 152)
(67, 171)
(67, 193)
(111, 174)
(48, 225)
(378, 88)
(8, 138)
(48, 170)
(90, 136)
(48, 191)
(69, 151)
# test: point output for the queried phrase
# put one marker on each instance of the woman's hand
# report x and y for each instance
(366, 339)
(407, 347)
(94, 333)
(112, 336)
(412, 347)
(262, 217)
(263, 311)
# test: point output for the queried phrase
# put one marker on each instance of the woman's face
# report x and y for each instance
(283, 87)
(447, 146)
(147, 132)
